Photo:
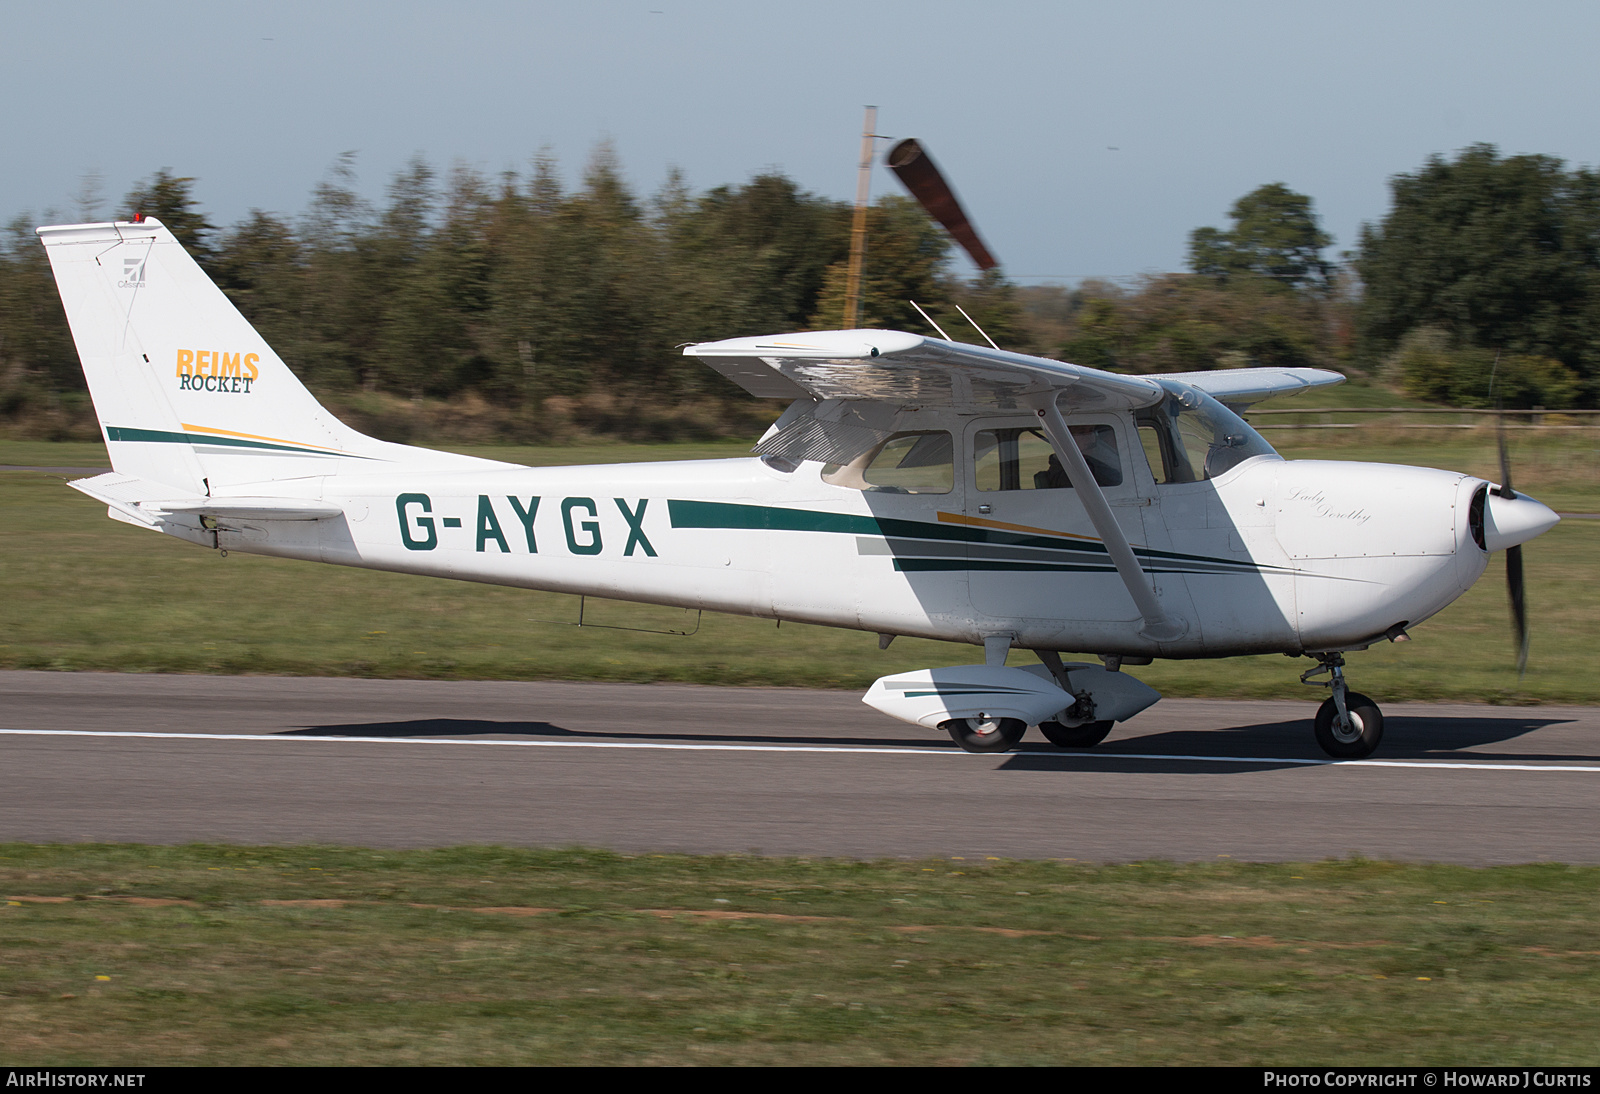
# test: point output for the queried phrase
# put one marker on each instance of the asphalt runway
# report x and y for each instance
(169, 759)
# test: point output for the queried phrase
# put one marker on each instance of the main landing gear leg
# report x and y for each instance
(1349, 726)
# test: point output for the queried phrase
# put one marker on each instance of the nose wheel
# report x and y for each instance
(1349, 726)
(1354, 736)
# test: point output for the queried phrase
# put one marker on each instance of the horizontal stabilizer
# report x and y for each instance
(150, 502)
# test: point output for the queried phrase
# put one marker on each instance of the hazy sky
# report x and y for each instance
(1086, 139)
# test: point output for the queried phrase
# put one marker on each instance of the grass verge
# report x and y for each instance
(238, 955)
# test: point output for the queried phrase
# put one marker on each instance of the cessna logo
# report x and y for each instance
(132, 274)
(214, 370)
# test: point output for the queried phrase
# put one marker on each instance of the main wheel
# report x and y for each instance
(1085, 736)
(986, 734)
(1357, 740)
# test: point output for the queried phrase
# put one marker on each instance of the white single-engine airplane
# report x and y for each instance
(914, 486)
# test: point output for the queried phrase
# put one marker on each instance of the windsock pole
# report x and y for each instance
(858, 223)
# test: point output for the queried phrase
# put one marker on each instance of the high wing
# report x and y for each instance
(1239, 387)
(910, 369)
(851, 385)
(857, 381)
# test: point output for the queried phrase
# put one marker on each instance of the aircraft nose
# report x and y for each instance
(1510, 521)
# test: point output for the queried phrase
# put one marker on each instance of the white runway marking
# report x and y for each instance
(867, 749)
(461, 741)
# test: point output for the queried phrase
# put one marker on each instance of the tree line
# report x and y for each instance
(533, 298)
(1480, 287)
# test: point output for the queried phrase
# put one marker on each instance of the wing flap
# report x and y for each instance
(835, 431)
(757, 377)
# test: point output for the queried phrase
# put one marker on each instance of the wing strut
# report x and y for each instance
(1158, 626)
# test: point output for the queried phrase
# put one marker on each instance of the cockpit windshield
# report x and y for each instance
(1191, 437)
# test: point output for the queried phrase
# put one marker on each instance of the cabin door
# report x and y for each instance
(1032, 552)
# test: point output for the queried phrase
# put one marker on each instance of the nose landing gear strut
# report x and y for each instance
(1349, 726)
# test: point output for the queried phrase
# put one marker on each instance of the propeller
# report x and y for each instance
(1514, 581)
(916, 170)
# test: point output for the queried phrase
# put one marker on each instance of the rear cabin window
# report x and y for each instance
(1022, 458)
(906, 463)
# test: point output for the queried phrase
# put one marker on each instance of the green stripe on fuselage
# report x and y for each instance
(722, 514)
(930, 565)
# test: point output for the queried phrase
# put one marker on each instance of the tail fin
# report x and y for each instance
(187, 393)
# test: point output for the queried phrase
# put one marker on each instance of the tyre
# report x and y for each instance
(1357, 740)
(1085, 736)
(986, 734)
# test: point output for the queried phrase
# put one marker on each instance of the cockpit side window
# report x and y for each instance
(1023, 459)
(1163, 446)
(1155, 437)
(920, 462)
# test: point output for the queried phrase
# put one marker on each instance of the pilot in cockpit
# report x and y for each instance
(1099, 449)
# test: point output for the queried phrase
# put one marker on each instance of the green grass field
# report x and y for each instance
(125, 956)
(82, 592)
